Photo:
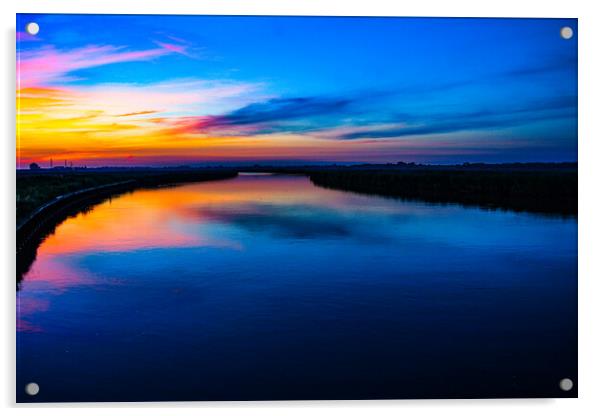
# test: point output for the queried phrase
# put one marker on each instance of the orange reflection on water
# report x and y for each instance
(161, 217)
(170, 217)
(179, 216)
(188, 215)
(142, 219)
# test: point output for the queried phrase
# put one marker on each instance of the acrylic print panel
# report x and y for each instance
(275, 208)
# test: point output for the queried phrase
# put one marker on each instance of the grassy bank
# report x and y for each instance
(39, 208)
(543, 190)
(35, 189)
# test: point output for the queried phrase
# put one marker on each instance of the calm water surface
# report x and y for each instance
(268, 287)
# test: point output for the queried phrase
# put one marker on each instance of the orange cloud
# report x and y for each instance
(137, 113)
(113, 121)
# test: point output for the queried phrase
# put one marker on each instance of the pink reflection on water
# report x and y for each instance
(26, 307)
(172, 217)
(143, 219)
(47, 278)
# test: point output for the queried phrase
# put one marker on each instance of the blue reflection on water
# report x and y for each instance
(267, 287)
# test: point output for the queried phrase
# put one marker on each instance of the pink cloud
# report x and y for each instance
(47, 65)
(179, 40)
(181, 49)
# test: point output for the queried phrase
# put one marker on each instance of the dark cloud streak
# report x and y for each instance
(555, 108)
(314, 113)
(280, 109)
(564, 63)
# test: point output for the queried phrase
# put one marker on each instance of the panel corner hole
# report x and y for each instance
(32, 28)
(566, 384)
(566, 32)
(32, 389)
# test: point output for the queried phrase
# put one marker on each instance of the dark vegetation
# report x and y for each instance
(541, 188)
(67, 193)
(38, 187)
(536, 187)
(533, 187)
(31, 233)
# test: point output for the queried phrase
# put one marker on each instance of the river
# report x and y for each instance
(268, 287)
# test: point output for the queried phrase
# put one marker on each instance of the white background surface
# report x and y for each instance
(590, 197)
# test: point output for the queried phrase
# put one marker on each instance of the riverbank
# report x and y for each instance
(241, 259)
(548, 188)
(43, 202)
(47, 197)
(37, 188)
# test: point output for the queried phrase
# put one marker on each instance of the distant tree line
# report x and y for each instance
(551, 191)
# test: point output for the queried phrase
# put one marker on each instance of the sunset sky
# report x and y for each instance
(168, 90)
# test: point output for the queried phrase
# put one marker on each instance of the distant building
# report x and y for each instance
(34, 166)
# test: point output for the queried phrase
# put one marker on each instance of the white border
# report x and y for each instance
(458, 8)
(590, 155)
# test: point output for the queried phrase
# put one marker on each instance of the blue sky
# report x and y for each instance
(429, 90)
